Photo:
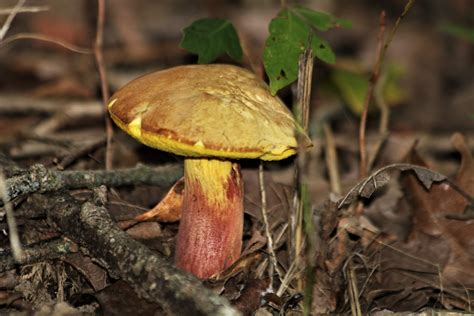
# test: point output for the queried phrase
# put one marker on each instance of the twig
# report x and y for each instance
(99, 57)
(150, 274)
(10, 17)
(383, 124)
(12, 227)
(406, 9)
(331, 160)
(368, 98)
(79, 152)
(13, 104)
(25, 10)
(301, 110)
(45, 251)
(304, 208)
(381, 51)
(45, 38)
(273, 261)
(40, 179)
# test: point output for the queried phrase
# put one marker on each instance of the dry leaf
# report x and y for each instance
(169, 208)
(147, 230)
(381, 177)
(96, 275)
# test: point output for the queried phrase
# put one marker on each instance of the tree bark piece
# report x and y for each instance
(151, 275)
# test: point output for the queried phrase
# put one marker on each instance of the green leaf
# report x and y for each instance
(458, 31)
(320, 20)
(353, 88)
(209, 38)
(288, 37)
(291, 32)
(322, 50)
(392, 90)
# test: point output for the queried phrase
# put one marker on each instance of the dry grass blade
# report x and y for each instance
(45, 38)
(273, 261)
(9, 20)
(24, 10)
(12, 227)
(353, 291)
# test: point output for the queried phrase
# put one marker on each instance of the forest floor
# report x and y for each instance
(397, 239)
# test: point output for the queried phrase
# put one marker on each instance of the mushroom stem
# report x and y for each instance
(210, 232)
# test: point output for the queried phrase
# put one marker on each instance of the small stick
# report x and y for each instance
(368, 98)
(381, 51)
(48, 250)
(84, 150)
(301, 110)
(12, 227)
(331, 160)
(45, 38)
(99, 57)
(24, 10)
(10, 17)
(273, 261)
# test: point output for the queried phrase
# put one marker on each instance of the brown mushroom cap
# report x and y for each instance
(214, 110)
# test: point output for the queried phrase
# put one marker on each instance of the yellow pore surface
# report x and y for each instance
(206, 111)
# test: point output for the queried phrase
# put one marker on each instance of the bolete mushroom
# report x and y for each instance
(212, 115)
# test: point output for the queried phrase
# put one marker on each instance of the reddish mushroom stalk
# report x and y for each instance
(210, 232)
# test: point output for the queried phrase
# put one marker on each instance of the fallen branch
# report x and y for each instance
(12, 104)
(4, 11)
(39, 179)
(45, 251)
(151, 275)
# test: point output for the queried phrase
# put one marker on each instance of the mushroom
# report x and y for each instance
(211, 115)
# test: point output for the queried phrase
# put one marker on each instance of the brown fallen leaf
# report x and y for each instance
(96, 275)
(250, 297)
(145, 231)
(436, 261)
(381, 177)
(120, 299)
(244, 263)
(169, 208)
